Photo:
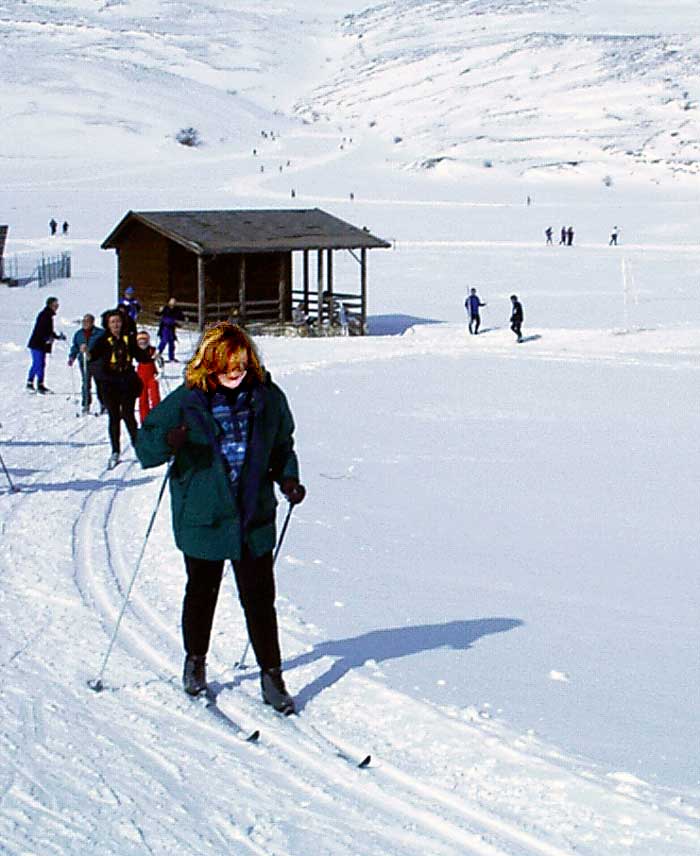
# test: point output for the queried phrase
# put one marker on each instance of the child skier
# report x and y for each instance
(148, 372)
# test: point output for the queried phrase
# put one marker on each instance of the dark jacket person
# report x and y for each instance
(112, 358)
(231, 433)
(40, 342)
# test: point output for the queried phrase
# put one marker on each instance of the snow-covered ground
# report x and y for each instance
(492, 585)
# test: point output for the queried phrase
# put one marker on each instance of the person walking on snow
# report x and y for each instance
(562, 236)
(171, 318)
(613, 237)
(115, 352)
(570, 236)
(87, 334)
(148, 374)
(516, 317)
(40, 343)
(53, 225)
(230, 431)
(131, 303)
(548, 235)
(472, 304)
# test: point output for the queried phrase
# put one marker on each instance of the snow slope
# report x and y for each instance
(491, 586)
(537, 88)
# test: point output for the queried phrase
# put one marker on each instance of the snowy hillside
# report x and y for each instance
(491, 587)
(539, 87)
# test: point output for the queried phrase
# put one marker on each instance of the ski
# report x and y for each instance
(207, 700)
(325, 743)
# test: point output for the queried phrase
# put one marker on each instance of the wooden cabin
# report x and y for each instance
(238, 264)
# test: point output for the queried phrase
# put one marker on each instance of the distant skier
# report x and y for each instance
(53, 225)
(562, 236)
(64, 228)
(131, 303)
(87, 334)
(516, 317)
(171, 318)
(472, 305)
(613, 237)
(116, 350)
(40, 343)
(570, 236)
(548, 234)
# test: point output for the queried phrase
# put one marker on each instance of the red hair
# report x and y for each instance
(218, 344)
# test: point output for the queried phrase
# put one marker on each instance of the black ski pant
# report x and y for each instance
(515, 326)
(256, 592)
(120, 400)
(474, 321)
(85, 385)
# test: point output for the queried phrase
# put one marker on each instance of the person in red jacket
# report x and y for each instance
(148, 372)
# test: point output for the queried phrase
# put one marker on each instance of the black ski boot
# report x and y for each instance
(275, 693)
(42, 390)
(194, 676)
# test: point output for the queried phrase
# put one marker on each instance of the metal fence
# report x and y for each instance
(20, 270)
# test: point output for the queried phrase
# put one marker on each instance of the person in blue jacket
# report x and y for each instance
(131, 303)
(40, 342)
(473, 304)
(87, 334)
(171, 318)
(231, 434)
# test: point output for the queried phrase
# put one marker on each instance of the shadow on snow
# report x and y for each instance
(395, 325)
(389, 644)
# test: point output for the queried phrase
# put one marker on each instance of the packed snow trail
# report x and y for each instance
(141, 768)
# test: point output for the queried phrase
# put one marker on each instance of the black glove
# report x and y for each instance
(177, 437)
(294, 491)
(61, 337)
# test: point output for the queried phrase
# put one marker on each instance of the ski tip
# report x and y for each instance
(95, 685)
(254, 737)
(365, 762)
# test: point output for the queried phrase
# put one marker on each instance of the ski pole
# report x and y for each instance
(86, 385)
(241, 663)
(13, 489)
(72, 385)
(96, 683)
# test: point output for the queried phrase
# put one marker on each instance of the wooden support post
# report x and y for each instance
(363, 290)
(329, 276)
(319, 289)
(282, 288)
(241, 290)
(201, 293)
(306, 280)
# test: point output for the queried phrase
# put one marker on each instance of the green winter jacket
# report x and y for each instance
(209, 522)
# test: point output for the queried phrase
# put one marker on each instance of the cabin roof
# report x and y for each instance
(248, 231)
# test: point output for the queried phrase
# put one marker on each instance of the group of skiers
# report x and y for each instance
(53, 227)
(566, 236)
(473, 304)
(227, 432)
(106, 355)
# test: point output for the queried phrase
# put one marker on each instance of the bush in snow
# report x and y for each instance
(188, 137)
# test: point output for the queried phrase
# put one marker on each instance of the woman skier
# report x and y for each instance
(230, 431)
